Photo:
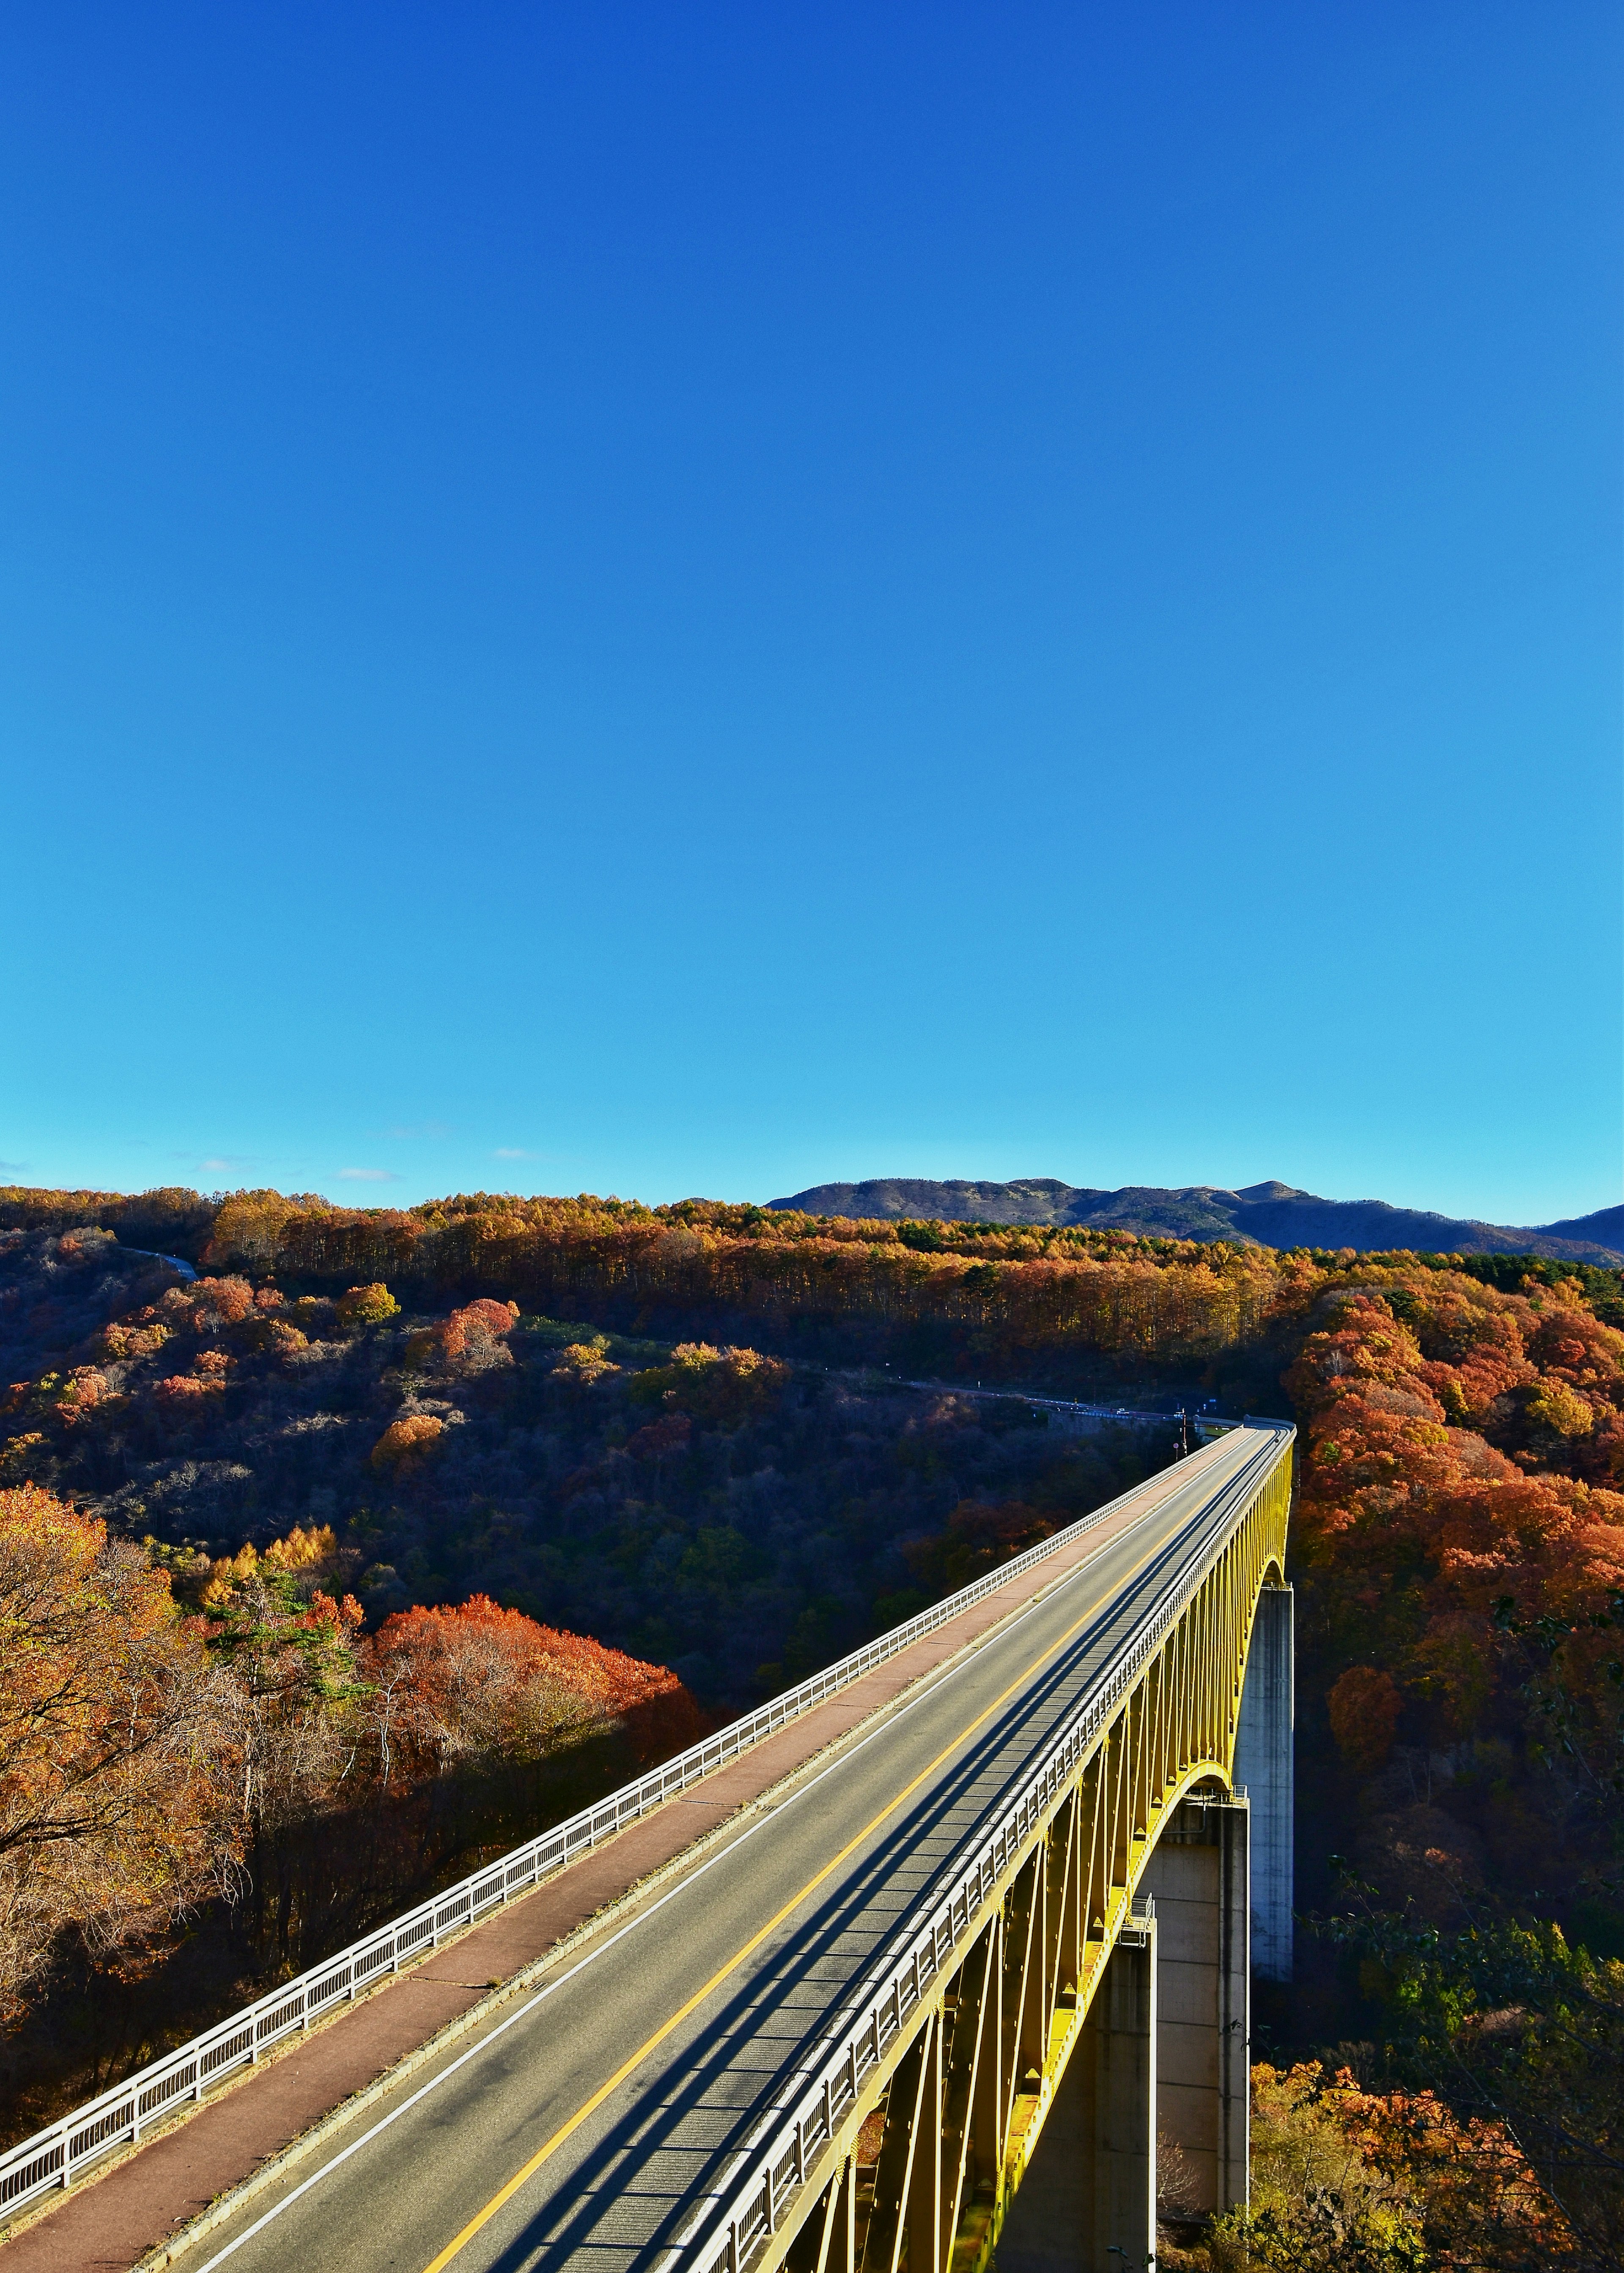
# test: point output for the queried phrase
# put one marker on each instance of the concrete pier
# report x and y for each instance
(1199, 1878)
(1263, 1770)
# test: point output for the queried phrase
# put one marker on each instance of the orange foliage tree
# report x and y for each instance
(118, 1741)
(477, 1330)
(407, 1438)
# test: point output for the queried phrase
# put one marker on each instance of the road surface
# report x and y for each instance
(582, 2128)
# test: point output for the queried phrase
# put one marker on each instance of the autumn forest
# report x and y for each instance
(342, 1547)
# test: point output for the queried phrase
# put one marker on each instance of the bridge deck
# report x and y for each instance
(626, 2084)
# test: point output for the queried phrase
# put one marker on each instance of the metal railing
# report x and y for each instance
(55, 2156)
(774, 2162)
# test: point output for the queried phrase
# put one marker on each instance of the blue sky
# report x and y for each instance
(678, 599)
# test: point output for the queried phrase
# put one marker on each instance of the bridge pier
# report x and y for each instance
(1263, 1769)
(1087, 2201)
(1199, 1877)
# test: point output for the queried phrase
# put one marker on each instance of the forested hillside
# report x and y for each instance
(403, 1586)
(741, 1518)
(671, 1431)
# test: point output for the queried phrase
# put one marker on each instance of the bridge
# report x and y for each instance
(941, 2000)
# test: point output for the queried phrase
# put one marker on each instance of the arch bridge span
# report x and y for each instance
(1028, 2004)
(947, 1970)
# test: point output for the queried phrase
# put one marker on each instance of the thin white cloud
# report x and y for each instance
(224, 1161)
(367, 1176)
(514, 1153)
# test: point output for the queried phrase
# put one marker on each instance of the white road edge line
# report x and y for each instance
(592, 1955)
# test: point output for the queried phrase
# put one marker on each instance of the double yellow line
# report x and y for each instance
(588, 2107)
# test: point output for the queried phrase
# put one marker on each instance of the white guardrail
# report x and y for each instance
(1048, 1404)
(747, 2207)
(55, 2156)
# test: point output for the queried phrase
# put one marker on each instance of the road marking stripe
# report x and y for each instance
(598, 1949)
(588, 2107)
(1113, 1537)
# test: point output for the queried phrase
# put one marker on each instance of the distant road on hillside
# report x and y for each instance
(1270, 1215)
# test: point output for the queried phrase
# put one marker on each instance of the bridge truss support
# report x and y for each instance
(1096, 1998)
(1089, 2197)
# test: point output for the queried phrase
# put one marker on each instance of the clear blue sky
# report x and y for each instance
(689, 598)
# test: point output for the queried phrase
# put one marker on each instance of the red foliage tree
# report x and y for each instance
(483, 1681)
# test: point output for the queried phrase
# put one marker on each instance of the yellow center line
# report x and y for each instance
(629, 2067)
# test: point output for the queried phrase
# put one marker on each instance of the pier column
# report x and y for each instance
(1263, 1768)
(1199, 1877)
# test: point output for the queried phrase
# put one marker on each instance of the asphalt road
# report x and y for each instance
(614, 2096)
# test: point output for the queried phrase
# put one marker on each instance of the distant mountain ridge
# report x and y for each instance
(1269, 1215)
